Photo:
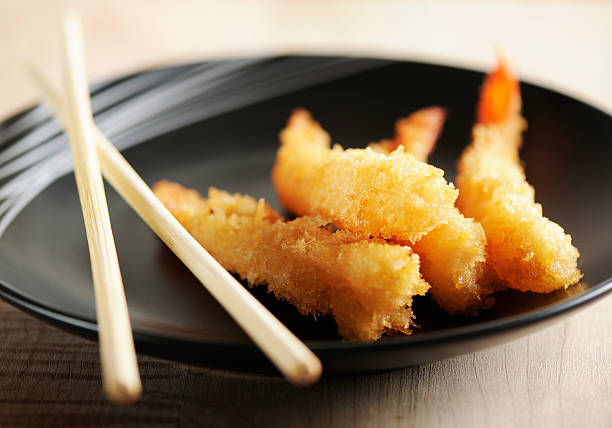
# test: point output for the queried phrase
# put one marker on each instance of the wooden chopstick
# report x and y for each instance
(118, 356)
(294, 359)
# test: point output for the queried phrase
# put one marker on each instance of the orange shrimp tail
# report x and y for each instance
(419, 132)
(427, 122)
(499, 95)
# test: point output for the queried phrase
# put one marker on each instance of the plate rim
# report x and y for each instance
(88, 327)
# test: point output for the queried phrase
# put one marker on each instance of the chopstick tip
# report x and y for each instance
(124, 393)
(306, 373)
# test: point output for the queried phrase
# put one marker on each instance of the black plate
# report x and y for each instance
(44, 264)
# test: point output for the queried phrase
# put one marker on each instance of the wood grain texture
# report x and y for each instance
(560, 377)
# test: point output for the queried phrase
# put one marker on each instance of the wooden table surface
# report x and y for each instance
(561, 376)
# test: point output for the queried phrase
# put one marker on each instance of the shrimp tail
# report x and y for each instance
(500, 97)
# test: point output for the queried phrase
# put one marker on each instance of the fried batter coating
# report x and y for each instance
(527, 250)
(453, 261)
(367, 285)
(390, 196)
(453, 255)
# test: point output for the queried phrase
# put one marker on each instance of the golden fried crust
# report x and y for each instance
(453, 255)
(367, 285)
(388, 196)
(453, 261)
(527, 250)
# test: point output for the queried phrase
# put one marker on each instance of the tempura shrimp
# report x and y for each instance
(453, 255)
(367, 285)
(527, 251)
(389, 196)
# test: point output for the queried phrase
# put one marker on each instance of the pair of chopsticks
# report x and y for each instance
(93, 152)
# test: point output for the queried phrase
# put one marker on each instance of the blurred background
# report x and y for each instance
(564, 45)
